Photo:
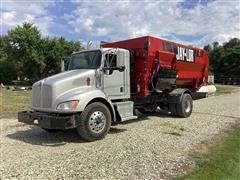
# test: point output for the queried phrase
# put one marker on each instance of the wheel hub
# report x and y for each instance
(97, 122)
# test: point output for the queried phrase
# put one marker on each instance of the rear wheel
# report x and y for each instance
(95, 122)
(184, 108)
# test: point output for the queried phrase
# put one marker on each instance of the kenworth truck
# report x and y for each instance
(105, 86)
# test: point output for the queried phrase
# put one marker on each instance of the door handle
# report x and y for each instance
(121, 89)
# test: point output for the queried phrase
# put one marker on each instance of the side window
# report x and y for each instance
(110, 60)
(163, 46)
(169, 47)
(175, 50)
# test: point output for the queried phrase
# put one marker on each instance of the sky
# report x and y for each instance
(192, 22)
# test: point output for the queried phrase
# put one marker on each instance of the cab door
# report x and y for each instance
(114, 80)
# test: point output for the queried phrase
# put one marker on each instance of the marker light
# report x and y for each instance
(88, 80)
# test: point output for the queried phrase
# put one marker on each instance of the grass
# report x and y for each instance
(13, 101)
(219, 159)
(224, 89)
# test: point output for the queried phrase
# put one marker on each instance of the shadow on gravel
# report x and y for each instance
(145, 117)
(114, 130)
(37, 136)
(220, 115)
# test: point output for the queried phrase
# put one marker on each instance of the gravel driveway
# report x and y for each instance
(153, 147)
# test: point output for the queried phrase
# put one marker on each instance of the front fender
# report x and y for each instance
(87, 97)
(84, 97)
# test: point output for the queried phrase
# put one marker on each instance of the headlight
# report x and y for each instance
(69, 105)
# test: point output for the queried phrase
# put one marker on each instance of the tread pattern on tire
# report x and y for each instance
(178, 109)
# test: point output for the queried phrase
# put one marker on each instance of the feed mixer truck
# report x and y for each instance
(105, 86)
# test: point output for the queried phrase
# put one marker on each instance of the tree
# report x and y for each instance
(225, 59)
(25, 51)
(231, 61)
(207, 48)
(55, 50)
(25, 54)
(231, 43)
(7, 68)
(7, 72)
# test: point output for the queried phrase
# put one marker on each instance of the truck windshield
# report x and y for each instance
(85, 60)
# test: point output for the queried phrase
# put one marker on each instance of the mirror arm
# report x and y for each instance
(120, 68)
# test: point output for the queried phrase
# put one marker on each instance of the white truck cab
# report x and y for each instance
(89, 96)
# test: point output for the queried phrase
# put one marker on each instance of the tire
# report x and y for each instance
(95, 122)
(184, 108)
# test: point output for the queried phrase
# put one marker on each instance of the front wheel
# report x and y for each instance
(95, 122)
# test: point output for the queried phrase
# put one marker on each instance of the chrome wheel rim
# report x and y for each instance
(187, 106)
(97, 122)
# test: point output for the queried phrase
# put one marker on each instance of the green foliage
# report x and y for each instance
(54, 51)
(7, 68)
(221, 162)
(25, 54)
(225, 59)
(7, 71)
(24, 50)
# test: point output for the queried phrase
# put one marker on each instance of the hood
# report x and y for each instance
(73, 78)
(46, 91)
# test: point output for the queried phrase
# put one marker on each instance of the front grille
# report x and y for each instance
(46, 96)
(42, 96)
(36, 96)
